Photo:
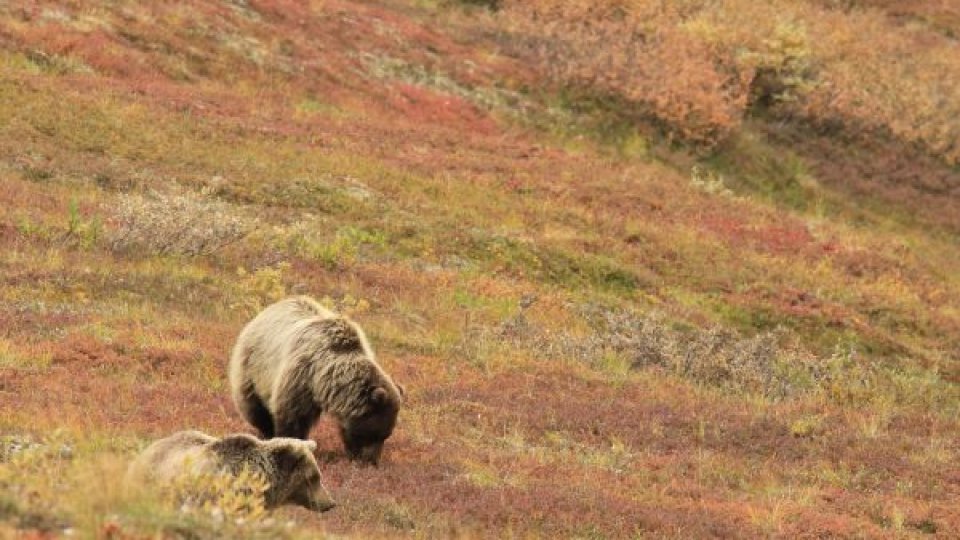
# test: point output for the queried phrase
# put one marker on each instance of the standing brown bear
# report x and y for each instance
(296, 360)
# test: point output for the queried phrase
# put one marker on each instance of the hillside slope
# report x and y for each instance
(712, 296)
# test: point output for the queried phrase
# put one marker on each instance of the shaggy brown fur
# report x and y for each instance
(286, 464)
(296, 360)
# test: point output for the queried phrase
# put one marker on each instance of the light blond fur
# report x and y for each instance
(296, 360)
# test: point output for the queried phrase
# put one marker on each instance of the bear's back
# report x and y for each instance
(233, 453)
(172, 456)
(261, 351)
(299, 307)
(335, 334)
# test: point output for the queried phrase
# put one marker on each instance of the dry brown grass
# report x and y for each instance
(177, 224)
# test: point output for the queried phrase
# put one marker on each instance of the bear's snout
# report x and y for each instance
(320, 501)
(323, 505)
(368, 454)
(316, 498)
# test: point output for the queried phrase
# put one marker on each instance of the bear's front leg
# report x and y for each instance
(294, 411)
(294, 408)
(296, 424)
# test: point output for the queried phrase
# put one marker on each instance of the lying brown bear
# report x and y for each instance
(287, 465)
(296, 360)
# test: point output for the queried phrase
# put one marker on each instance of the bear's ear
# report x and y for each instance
(400, 388)
(379, 395)
(287, 458)
(234, 444)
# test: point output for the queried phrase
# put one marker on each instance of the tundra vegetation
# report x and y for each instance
(645, 269)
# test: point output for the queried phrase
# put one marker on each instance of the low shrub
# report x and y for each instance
(767, 364)
(175, 224)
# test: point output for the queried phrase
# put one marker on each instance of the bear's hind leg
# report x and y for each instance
(255, 411)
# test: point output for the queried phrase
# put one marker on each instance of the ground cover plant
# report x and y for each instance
(644, 269)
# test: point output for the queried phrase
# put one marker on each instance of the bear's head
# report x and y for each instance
(297, 479)
(363, 436)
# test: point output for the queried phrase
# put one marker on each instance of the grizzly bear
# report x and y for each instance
(296, 360)
(287, 465)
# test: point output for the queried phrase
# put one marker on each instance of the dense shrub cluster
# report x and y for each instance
(177, 224)
(661, 72)
(697, 67)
